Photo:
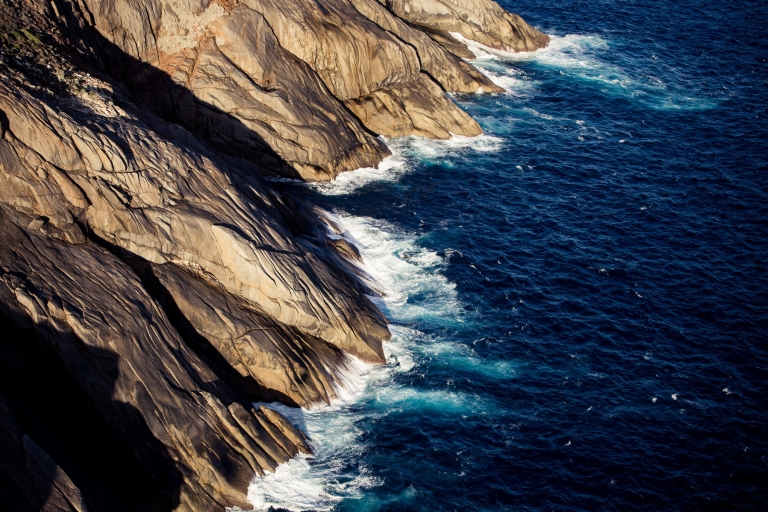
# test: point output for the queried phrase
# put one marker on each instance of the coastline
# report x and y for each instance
(148, 255)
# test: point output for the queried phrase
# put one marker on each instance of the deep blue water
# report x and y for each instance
(580, 297)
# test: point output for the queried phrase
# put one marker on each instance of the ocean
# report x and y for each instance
(579, 297)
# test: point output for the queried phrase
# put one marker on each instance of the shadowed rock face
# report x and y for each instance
(147, 268)
(34, 481)
(274, 75)
(180, 207)
(157, 386)
(295, 367)
(241, 90)
(88, 176)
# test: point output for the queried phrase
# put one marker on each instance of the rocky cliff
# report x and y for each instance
(152, 284)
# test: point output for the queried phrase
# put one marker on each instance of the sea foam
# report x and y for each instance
(400, 267)
(390, 169)
(406, 152)
(584, 57)
(414, 291)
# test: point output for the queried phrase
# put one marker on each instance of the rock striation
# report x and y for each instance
(149, 272)
(483, 21)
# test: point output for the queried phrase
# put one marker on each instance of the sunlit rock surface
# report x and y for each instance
(148, 269)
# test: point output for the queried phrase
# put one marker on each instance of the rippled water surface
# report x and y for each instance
(579, 297)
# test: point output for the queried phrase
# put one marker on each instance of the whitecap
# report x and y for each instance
(402, 269)
(425, 150)
(405, 151)
(514, 81)
(440, 401)
(321, 481)
(414, 290)
(583, 57)
(390, 169)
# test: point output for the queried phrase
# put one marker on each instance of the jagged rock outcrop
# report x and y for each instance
(376, 63)
(292, 366)
(183, 208)
(483, 21)
(452, 73)
(156, 387)
(218, 70)
(264, 82)
(144, 260)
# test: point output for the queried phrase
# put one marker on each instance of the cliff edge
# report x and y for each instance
(152, 284)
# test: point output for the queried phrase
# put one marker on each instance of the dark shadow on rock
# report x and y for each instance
(245, 390)
(3, 124)
(51, 407)
(163, 98)
(92, 440)
(154, 89)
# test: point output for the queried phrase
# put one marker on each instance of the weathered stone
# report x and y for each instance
(449, 71)
(375, 63)
(415, 108)
(288, 365)
(159, 274)
(483, 21)
(36, 224)
(87, 302)
(162, 212)
(219, 70)
(51, 481)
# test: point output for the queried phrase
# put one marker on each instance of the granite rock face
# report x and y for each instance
(87, 187)
(483, 21)
(376, 63)
(259, 80)
(291, 365)
(220, 71)
(148, 269)
(180, 208)
(157, 386)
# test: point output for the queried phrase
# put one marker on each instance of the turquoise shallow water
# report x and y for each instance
(579, 297)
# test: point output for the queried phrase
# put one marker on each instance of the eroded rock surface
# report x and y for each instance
(376, 63)
(156, 386)
(145, 261)
(165, 204)
(483, 21)
(265, 82)
(290, 365)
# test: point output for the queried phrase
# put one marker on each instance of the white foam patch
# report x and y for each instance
(463, 358)
(390, 169)
(403, 271)
(433, 148)
(321, 481)
(514, 81)
(350, 378)
(580, 56)
(406, 151)
(572, 52)
(441, 401)
(335, 472)
(414, 290)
